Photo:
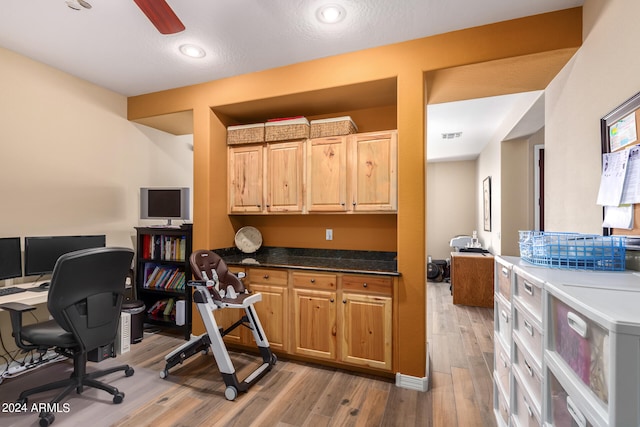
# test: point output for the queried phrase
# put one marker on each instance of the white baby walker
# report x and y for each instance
(210, 295)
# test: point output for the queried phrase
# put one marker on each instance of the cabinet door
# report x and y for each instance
(315, 323)
(272, 314)
(245, 179)
(373, 168)
(327, 174)
(366, 335)
(284, 176)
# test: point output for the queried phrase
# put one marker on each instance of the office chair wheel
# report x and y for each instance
(231, 393)
(46, 419)
(129, 372)
(118, 397)
(164, 374)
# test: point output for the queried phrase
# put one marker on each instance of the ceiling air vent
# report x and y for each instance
(451, 135)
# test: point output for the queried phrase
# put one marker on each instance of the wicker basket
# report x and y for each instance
(288, 129)
(332, 127)
(245, 134)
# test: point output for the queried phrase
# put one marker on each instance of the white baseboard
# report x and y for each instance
(415, 383)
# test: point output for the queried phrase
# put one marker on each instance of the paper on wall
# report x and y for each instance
(614, 170)
(618, 217)
(631, 187)
(623, 132)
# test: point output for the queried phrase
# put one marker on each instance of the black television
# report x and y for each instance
(164, 203)
(41, 253)
(10, 258)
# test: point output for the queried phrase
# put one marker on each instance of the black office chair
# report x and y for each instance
(85, 297)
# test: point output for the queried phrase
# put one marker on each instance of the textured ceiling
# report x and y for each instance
(114, 45)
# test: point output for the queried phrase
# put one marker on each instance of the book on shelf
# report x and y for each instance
(163, 277)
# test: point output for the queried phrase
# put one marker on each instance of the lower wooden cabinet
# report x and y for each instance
(340, 318)
(366, 330)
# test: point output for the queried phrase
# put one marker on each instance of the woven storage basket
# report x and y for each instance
(245, 134)
(283, 130)
(332, 127)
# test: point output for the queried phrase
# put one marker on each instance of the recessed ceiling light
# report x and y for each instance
(331, 13)
(192, 51)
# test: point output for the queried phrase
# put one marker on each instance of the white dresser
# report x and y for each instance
(567, 346)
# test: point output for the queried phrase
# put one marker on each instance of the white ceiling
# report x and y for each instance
(114, 45)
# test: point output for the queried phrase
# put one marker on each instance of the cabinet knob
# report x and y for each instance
(268, 206)
(266, 276)
(342, 204)
(344, 301)
(354, 203)
(313, 280)
(331, 300)
(364, 285)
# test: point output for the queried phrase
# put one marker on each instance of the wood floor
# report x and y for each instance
(299, 394)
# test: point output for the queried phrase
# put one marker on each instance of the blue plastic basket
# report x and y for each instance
(573, 251)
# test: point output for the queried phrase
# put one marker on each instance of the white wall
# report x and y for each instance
(451, 207)
(70, 161)
(604, 72)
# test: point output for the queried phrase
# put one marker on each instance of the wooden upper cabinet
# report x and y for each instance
(373, 162)
(285, 165)
(245, 179)
(327, 174)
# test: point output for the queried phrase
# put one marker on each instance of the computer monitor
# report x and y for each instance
(41, 253)
(10, 258)
(164, 203)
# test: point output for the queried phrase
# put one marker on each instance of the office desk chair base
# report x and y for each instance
(213, 339)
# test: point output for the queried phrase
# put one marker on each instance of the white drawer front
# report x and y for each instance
(529, 293)
(502, 315)
(566, 411)
(583, 345)
(503, 280)
(527, 367)
(528, 331)
(501, 407)
(525, 411)
(503, 366)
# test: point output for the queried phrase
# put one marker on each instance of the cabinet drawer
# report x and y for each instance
(529, 371)
(501, 406)
(503, 280)
(502, 318)
(267, 276)
(529, 292)
(315, 280)
(380, 285)
(502, 366)
(524, 410)
(566, 410)
(582, 344)
(528, 331)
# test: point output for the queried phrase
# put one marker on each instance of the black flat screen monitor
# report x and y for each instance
(41, 253)
(10, 258)
(164, 203)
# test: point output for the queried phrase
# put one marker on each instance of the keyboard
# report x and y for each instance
(11, 290)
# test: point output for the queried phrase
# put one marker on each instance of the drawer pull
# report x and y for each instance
(504, 360)
(505, 316)
(528, 288)
(313, 280)
(364, 285)
(505, 272)
(575, 413)
(529, 411)
(577, 324)
(528, 327)
(266, 276)
(528, 368)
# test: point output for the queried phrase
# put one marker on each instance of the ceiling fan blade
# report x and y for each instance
(161, 15)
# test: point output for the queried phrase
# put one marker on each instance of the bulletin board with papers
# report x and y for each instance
(619, 192)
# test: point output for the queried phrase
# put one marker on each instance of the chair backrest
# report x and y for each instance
(86, 293)
(206, 261)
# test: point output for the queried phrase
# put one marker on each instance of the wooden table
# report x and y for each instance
(472, 278)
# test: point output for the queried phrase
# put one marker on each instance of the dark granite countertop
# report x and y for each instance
(341, 261)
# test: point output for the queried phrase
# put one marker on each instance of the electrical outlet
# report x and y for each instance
(329, 234)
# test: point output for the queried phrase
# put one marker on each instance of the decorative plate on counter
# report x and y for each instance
(248, 239)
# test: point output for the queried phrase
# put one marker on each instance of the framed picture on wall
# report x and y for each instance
(486, 202)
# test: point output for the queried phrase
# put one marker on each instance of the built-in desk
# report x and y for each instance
(472, 278)
(31, 297)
